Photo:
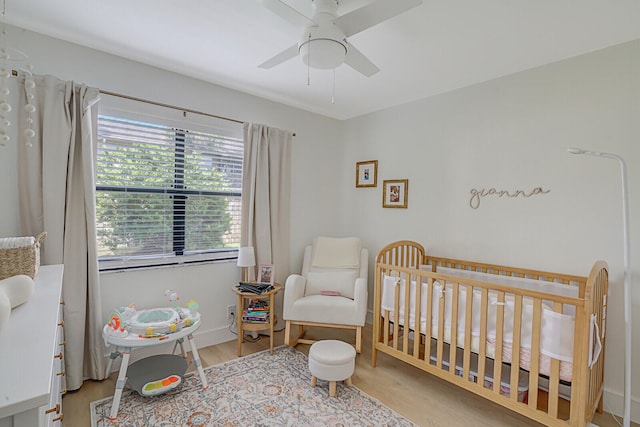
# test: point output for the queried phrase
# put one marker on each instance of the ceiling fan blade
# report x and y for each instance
(356, 60)
(367, 16)
(283, 56)
(286, 12)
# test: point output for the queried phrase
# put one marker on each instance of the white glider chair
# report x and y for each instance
(330, 292)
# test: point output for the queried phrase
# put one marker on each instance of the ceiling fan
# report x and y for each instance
(324, 42)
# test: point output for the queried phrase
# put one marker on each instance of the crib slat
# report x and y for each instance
(396, 315)
(407, 311)
(428, 315)
(466, 358)
(385, 336)
(454, 328)
(534, 364)
(440, 346)
(417, 317)
(482, 351)
(554, 386)
(497, 361)
(554, 376)
(515, 349)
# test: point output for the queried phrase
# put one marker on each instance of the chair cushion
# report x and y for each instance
(336, 252)
(325, 309)
(340, 281)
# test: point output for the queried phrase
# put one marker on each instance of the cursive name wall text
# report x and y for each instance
(477, 195)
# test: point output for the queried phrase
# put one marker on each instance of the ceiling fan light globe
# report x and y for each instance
(323, 46)
(323, 54)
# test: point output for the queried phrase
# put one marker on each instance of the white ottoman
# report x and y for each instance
(331, 360)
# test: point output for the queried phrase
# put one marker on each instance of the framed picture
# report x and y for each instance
(394, 193)
(367, 174)
(266, 274)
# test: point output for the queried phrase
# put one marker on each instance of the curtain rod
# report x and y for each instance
(160, 104)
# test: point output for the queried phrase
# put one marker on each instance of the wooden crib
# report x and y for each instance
(445, 316)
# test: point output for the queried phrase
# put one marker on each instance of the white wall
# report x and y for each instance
(512, 133)
(315, 146)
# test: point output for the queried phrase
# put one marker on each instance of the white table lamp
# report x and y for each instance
(246, 259)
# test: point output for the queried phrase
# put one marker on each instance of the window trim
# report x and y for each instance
(141, 262)
(179, 257)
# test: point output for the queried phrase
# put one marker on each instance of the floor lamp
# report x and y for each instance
(626, 420)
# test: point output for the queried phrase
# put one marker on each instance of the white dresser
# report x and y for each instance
(32, 356)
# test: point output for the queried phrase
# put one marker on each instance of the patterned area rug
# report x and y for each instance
(261, 389)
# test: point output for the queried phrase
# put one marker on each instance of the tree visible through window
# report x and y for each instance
(163, 192)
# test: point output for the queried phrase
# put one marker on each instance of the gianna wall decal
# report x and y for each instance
(477, 195)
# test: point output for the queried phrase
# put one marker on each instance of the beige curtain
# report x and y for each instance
(57, 194)
(266, 199)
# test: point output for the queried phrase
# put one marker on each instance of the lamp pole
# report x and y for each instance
(626, 421)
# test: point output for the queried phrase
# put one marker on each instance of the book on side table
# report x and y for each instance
(254, 288)
(257, 311)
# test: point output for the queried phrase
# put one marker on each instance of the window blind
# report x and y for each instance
(164, 192)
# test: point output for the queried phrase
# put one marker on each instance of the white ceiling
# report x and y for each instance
(437, 47)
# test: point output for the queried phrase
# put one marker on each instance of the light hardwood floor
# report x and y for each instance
(424, 399)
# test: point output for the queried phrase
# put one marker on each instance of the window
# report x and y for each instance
(165, 194)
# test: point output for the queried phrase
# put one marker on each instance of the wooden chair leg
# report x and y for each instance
(359, 339)
(287, 333)
(287, 330)
(332, 388)
(374, 356)
(348, 382)
(314, 381)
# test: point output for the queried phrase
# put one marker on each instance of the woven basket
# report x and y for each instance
(24, 260)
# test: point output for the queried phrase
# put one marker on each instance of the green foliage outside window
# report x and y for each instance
(165, 192)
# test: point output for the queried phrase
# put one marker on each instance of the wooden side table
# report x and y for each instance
(243, 299)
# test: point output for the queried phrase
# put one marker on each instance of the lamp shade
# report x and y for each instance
(246, 257)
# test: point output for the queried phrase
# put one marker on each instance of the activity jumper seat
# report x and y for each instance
(129, 328)
(154, 322)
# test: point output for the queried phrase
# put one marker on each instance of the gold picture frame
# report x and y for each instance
(367, 174)
(395, 193)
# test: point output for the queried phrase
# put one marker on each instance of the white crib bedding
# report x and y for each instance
(556, 335)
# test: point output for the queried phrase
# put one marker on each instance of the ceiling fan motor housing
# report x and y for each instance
(323, 46)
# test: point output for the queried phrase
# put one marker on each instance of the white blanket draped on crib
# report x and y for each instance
(556, 334)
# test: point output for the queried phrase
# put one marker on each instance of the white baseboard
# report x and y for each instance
(614, 403)
(213, 336)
